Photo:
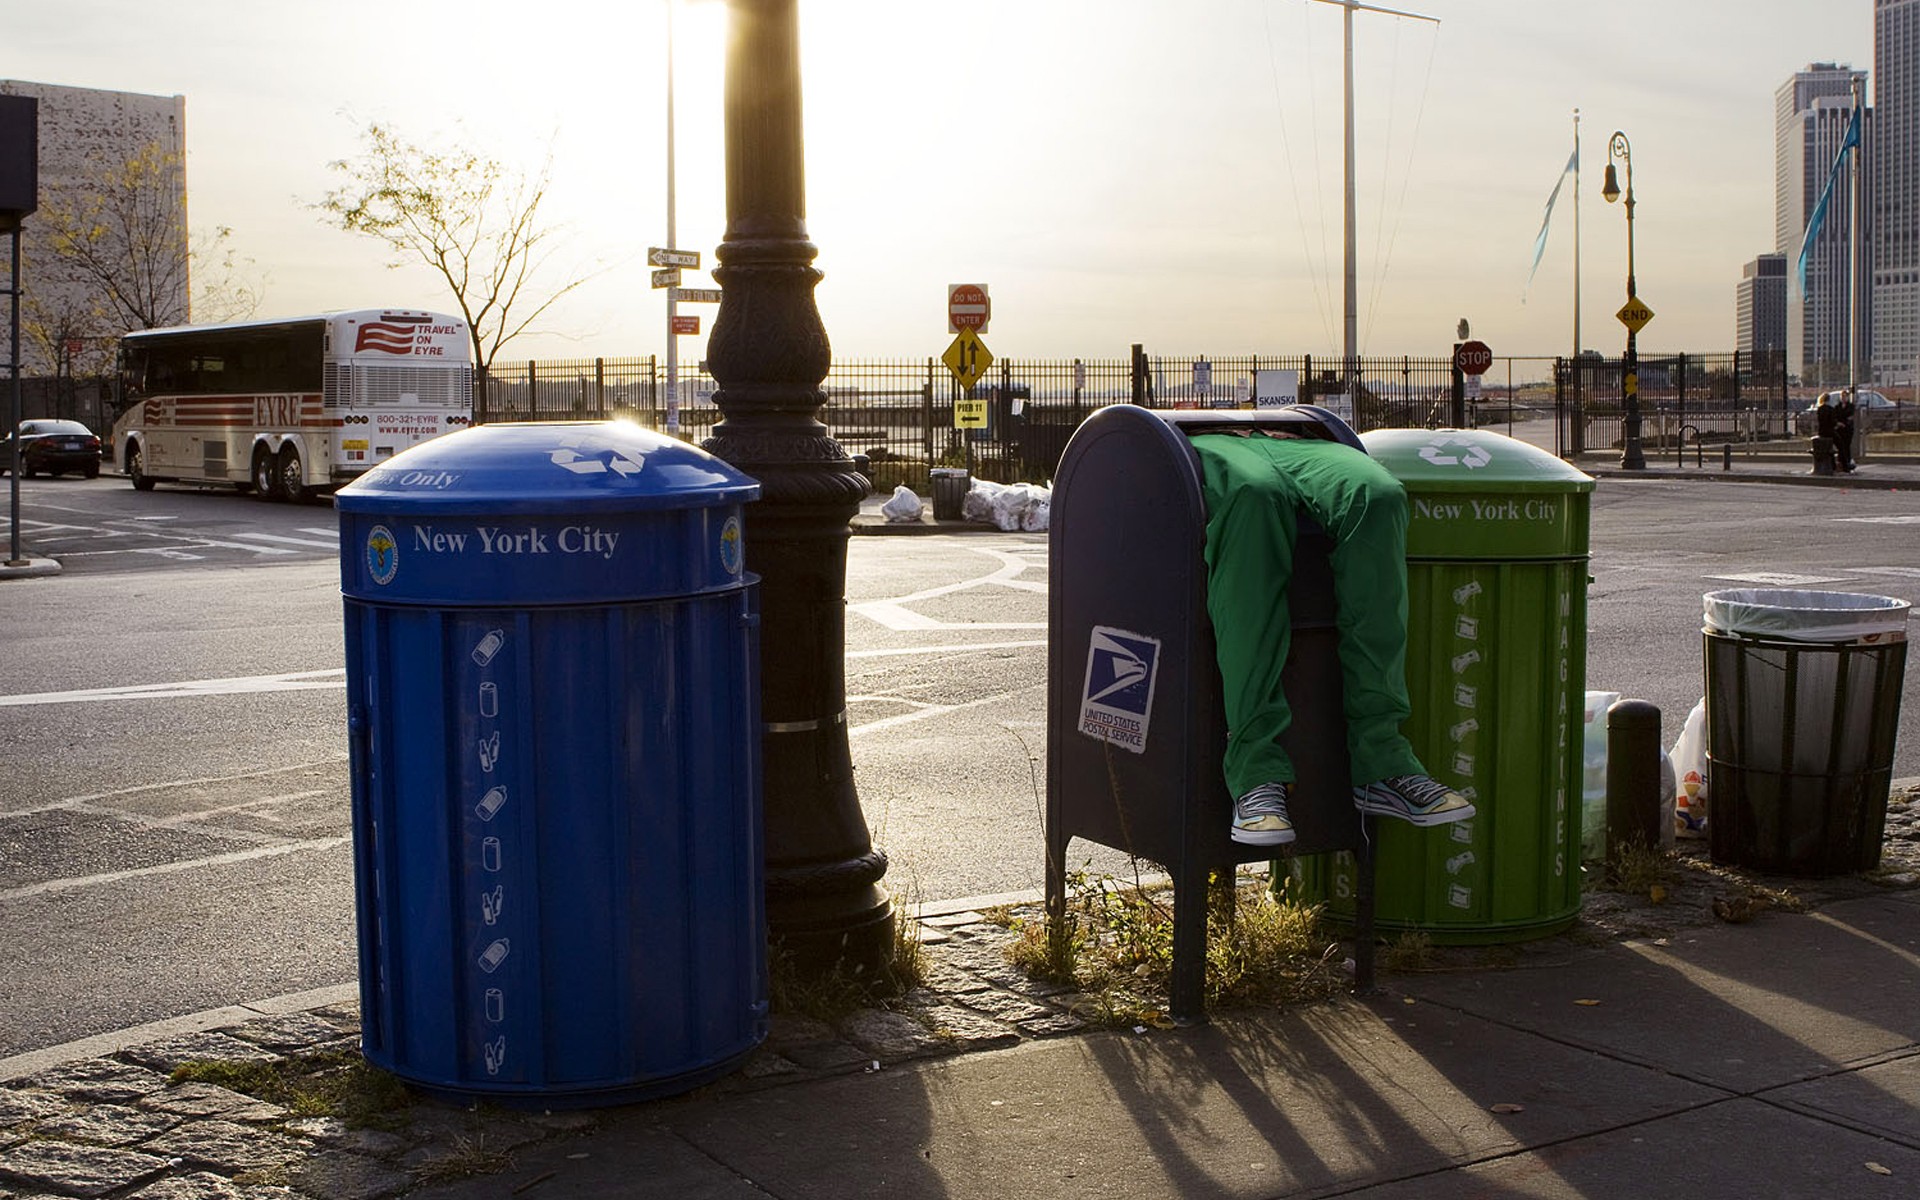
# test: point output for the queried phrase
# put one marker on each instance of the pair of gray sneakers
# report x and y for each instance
(1260, 817)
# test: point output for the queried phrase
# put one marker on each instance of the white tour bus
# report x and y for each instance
(287, 409)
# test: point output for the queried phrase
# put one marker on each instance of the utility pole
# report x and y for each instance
(1350, 316)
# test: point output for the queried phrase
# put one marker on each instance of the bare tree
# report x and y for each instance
(472, 220)
(111, 253)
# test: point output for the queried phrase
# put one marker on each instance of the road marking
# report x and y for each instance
(1773, 579)
(296, 681)
(962, 648)
(1897, 572)
(923, 710)
(292, 541)
(893, 613)
(139, 789)
(1909, 519)
(172, 868)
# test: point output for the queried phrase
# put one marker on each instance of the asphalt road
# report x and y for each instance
(174, 828)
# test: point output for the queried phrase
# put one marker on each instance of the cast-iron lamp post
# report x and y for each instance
(1631, 457)
(769, 353)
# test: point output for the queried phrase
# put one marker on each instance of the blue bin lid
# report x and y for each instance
(538, 467)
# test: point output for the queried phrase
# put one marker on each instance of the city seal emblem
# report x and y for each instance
(383, 555)
(732, 553)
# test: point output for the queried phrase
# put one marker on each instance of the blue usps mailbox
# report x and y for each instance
(553, 707)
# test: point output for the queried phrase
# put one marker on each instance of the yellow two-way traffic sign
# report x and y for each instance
(968, 358)
(1634, 314)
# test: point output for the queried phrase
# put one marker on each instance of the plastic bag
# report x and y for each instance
(1801, 616)
(1593, 775)
(1689, 759)
(977, 505)
(1010, 506)
(902, 506)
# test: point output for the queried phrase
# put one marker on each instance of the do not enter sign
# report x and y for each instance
(1473, 358)
(968, 307)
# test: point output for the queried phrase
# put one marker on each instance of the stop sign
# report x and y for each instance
(967, 307)
(1473, 358)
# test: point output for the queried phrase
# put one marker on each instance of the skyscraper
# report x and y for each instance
(1760, 313)
(1896, 190)
(1811, 114)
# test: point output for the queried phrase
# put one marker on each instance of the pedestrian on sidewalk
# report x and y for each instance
(1843, 416)
(1256, 486)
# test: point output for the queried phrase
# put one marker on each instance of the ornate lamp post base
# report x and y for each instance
(769, 353)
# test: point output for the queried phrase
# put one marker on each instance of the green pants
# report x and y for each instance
(1256, 488)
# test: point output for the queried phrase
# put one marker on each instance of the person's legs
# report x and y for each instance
(1364, 509)
(1249, 554)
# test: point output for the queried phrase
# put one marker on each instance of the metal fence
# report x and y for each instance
(899, 413)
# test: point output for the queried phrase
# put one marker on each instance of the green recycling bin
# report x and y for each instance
(1496, 669)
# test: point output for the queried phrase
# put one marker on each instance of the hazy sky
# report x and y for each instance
(1116, 171)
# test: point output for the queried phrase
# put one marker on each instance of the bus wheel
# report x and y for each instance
(136, 469)
(265, 479)
(293, 478)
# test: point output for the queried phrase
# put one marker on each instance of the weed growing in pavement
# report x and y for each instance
(1115, 944)
(1411, 951)
(333, 1083)
(1641, 870)
(838, 992)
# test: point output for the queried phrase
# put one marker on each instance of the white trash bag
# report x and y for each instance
(977, 504)
(902, 506)
(1690, 774)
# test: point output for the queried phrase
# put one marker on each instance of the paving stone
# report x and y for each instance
(790, 1029)
(71, 1170)
(562, 1122)
(337, 1134)
(953, 920)
(200, 1185)
(1053, 1026)
(892, 1035)
(765, 1064)
(953, 981)
(927, 935)
(212, 1046)
(969, 1028)
(337, 1175)
(297, 1033)
(98, 1081)
(211, 1100)
(345, 1017)
(226, 1147)
(107, 1125)
(453, 1127)
(1006, 1007)
(827, 1056)
(24, 1108)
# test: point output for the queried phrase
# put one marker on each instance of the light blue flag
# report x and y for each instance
(1848, 143)
(1540, 239)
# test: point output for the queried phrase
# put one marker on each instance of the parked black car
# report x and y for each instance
(54, 447)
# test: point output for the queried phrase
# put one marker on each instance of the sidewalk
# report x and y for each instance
(1652, 1051)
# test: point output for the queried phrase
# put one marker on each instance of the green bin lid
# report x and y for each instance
(1472, 494)
(1471, 460)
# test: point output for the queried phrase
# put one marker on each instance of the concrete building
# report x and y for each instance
(1896, 191)
(1760, 312)
(1811, 114)
(86, 137)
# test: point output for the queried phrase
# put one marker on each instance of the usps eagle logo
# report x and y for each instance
(383, 555)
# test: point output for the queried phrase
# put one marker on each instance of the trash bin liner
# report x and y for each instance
(1803, 703)
(1801, 616)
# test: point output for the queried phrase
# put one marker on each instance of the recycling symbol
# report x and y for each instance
(1466, 453)
(583, 456)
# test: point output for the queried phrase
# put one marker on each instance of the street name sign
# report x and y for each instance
(682, 295)
(658, 257)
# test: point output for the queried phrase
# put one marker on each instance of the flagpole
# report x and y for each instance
(1574, 362)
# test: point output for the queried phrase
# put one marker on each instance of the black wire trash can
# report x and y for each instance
(1803, 704)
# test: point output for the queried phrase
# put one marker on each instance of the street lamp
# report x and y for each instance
(1631, 457)
(769, 354)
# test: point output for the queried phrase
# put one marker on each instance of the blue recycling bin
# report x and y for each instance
(553, 709)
